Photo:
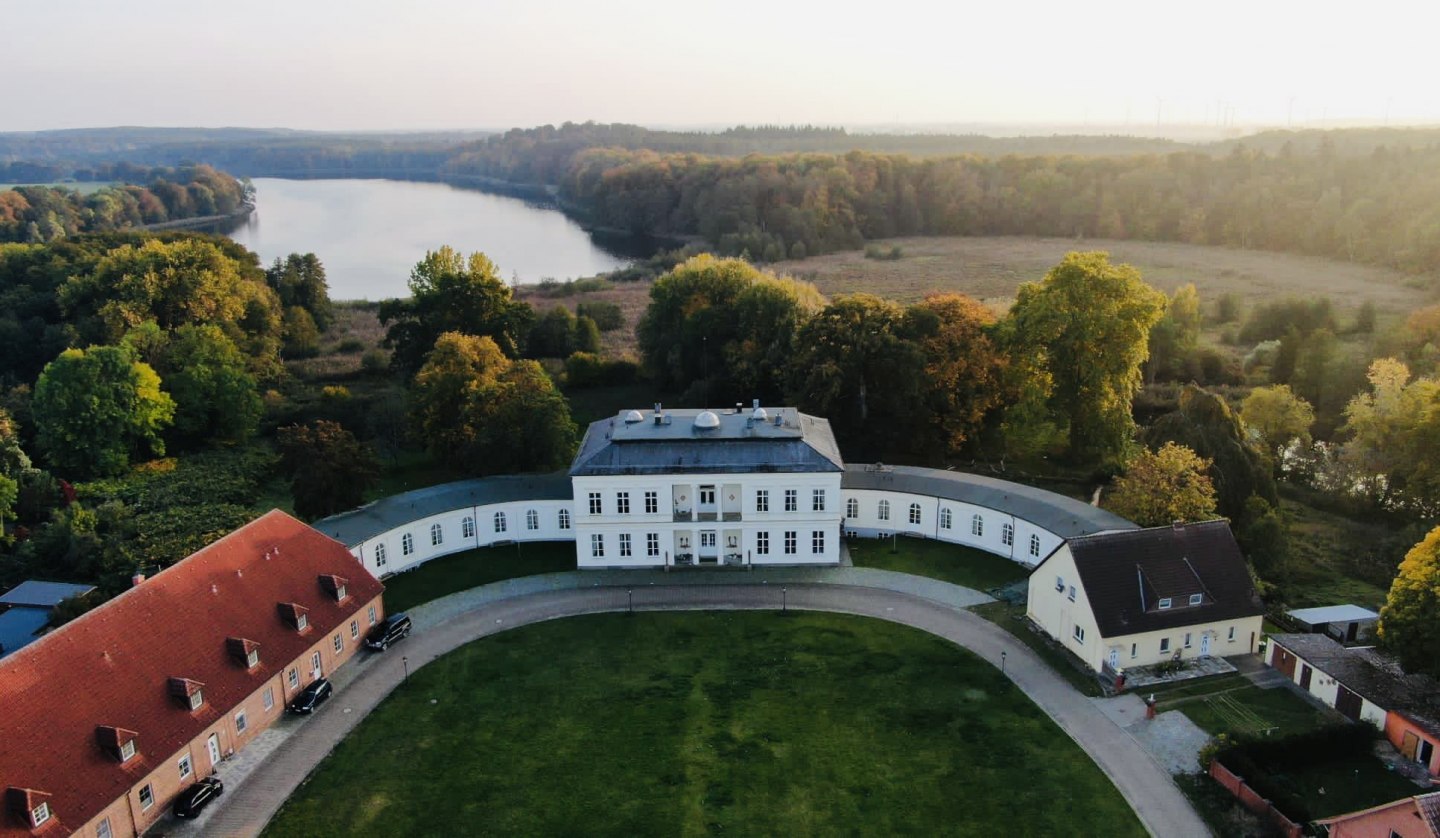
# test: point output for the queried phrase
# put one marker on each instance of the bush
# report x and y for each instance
(1273, 320)
(375, 361)
(349, 346)
(607, 316)
(891, 254)
(1262, 763)
(586, 369)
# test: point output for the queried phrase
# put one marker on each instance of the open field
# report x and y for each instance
(951, 563)
(740, 723)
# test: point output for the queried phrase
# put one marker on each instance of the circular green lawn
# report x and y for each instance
(742, 723)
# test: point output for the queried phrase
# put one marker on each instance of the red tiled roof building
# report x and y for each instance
(106, 719)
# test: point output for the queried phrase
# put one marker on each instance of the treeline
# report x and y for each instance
(46, 213)
(1381, 208)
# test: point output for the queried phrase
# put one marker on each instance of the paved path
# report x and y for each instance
(461, 618)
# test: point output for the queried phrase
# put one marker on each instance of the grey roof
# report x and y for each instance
(35, 594)
(1065, 517)
(738, 445)
(1373, 675)
(1333, 614)
(18, 627)
(351, 528)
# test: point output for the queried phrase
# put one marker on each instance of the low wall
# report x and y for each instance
(1235, 784)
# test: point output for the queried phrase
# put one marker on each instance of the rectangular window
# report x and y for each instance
(293, 678)
(241, 722)
(652, 544)
(1071, 595)
(564, 519)
(762, 543)
(252, 659)
(1164, 603)
(354, 629)
(1195, 599)
(1187, 640)
(147, 797)
(624, 544)
(302, 622)
(268, 698)
(762, 500)
(127, 750)
(817, 542)
(707, 538)
(789, 542)
(1080, 634)
(792, 500)
(652, 503)
(102, 829)
(914, 513)
(371, 615)
(197, 699)
(597, 545)
(817, 500)
(1035, 545)
(1164, 645)
(1059, 583)
(944, 518)
(185, 768)
(1134, 649)
(40, 814)
(1232, 634)
(852, 508)
(595, 505)
(622, 503)
(339, 644)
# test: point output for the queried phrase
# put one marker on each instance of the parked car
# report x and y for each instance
(310, 698)
(393, 628)
(190, 801)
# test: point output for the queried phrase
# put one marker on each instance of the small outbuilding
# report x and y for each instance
(1345, 623)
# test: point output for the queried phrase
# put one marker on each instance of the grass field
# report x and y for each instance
(707, 723)
(1278, 710)
(462, 571)
(937, 560)
(1011, 618)
(1321, 544)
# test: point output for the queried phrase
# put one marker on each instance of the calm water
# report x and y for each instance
(370, 233)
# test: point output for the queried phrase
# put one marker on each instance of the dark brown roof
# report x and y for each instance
(114, 667)
(1375, 676)
(1127, 573)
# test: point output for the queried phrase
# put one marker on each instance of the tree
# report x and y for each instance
(215, 396)
(456, 372)
(552, 334)
(963, 367)
(329, 469)
(1410, 618)
(12, 463)
(300, 281)
(453, 293)
(1176, 336)
(95, 408)
(1204, 423)
(1164, 486)
(586, 336)
(302, 335)
(1087, 325)
(1278, 416)
(1395, 431)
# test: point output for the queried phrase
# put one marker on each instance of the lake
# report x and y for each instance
(370, 233)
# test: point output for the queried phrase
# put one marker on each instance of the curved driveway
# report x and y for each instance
(1145, 785)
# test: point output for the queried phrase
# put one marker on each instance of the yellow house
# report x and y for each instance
(1130, 598)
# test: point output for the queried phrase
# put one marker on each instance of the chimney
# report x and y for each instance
(136, 580)
(659, 414)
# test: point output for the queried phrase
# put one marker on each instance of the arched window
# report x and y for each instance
(379, 555)
(1034, 545)
(945, 518)
(532, 519)
(884, 510)
(914, 513)
(977, 525)
(564, 519)
(499, 522)
(852, 508)
(467, 527)
(437, 535)
(407, 544)
(1007, 534)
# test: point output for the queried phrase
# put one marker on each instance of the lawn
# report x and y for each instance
(463, 571)
(1277, 708)
(947, 562)
(740, 723)
(1011, 618)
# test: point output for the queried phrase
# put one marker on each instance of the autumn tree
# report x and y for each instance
(1164, 486)
(1278, 416)
(1087, 326)
(1176, 336)
(1238, 468)
(1394, 431)
(13, 461)
(329, 469)
(963, 367)
(1410, 618)
(96, 408)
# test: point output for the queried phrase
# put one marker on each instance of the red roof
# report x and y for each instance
(113, 666)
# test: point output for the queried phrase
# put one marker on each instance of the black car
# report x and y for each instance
(310, 698)
(393, 628)
(190, 801)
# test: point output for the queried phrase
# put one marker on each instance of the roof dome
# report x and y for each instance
(707, 420)
(633, 416)
(759, 414)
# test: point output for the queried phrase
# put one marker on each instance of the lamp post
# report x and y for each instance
(784, 600)
(630, 600)
(405, 662)
(1002, 661)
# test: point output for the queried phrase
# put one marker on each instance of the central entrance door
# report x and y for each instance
(709, 549)
(1114, 658)
(1204, 645)
(213, 746)
(315, 671)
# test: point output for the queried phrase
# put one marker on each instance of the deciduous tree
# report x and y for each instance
(1278, 416)
(329, 469)
(1164, 486)
(1204, 423)
(1410, 618)
(215, 396)
(963, 367)
(95, 408)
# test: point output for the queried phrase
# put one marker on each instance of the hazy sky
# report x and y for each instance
(389, 64)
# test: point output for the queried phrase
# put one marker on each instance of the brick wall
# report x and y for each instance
(1236, 785)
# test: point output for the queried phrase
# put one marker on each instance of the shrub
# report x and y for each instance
(375, 361)
(607, 316)
(349, 346)
(586, 369)
(890, 254)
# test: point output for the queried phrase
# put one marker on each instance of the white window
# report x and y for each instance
(467, 527)
(1164, 603)
(597, 545)
(595, 504)
(977, 525)
(792, 500)
(1134, 649)
(340, 593)
(624, 544)
(379, 555)
(500, 522)
(127, 750)
(371, 615)
(884, 514)
(817, 542)
(102, 829)
(789, 542)
(1034, 545)
(762, 500)
(147, 797)
(817, 500)
(652, 503)
(197, 700)
(762, 543)
(1071, 595)
(914, 513)
(293, 678)
(1195, 599)
(354, 629)
(1059, 583)
(1164, 645)
(852, 508)
(41, 813)
(437, 535)
(1232, 634)
(339, 644)
(185, 768)
(652, 543)
(945, 518)
(532, 519)
(1079, 634)
(301, 622)
(707, 538)
(252, 659)
(407, 544)
(564, 519)
(1187, 640)
(1007, 534)
(241, 722)
(622, 503)
(268, 698)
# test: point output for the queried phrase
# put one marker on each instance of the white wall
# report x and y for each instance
(992, 524)
(453, 541)
(1325, 688)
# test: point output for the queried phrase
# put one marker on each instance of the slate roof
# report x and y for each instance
(36, 594)
(1373, 675)
(1125, 574)
(738, 445)
(1065, 517)
(18, 627)
(358, 525)
(1425, 808)
(113, 666)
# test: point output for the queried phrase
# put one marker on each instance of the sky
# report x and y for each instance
(477, 64)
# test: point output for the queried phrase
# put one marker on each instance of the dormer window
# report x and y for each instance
(294, 615)
(127, 750)
(116, 741)
(188, 691)
(252, 658)
(1164, 603)
(245, 652)
(197, 700)
(1196, 599)
(334, 586)
(40, 814)
(303, 621)
(32, 805)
